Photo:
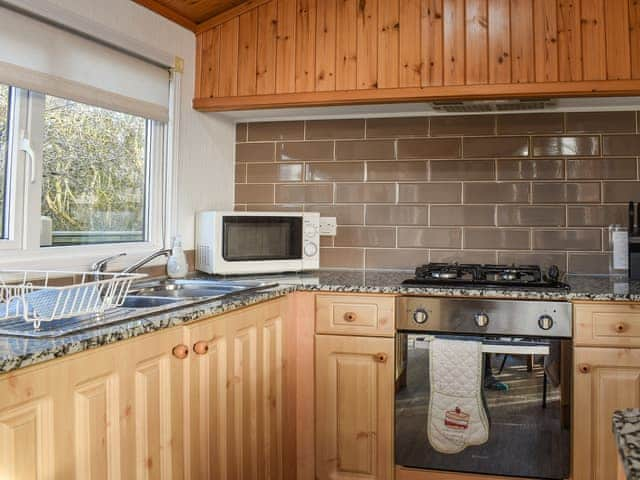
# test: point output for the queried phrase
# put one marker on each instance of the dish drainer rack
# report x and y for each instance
(39, 296)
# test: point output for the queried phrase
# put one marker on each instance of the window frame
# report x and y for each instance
(22, 248)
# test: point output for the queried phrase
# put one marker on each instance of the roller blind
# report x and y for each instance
(44, 58)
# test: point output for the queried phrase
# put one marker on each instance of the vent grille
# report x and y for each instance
(203, 256)
(493, 106)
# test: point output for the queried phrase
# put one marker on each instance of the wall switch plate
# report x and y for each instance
(328, 226)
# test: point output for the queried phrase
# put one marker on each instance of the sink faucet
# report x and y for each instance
(138, 265)
(100, 266)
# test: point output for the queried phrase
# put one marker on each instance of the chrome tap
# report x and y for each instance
(138, 265)
(100, 266)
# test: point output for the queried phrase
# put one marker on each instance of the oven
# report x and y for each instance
(526, 384)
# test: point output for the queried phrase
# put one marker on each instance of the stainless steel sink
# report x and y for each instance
(185, 289)
(145, 298)
(147, 302)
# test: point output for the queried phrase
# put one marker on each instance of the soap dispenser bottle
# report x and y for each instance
(177, 264)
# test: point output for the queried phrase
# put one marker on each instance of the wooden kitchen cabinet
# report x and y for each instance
(115, 412)
(354, 407)
(236, 394)
(605, 380)
(277, 53)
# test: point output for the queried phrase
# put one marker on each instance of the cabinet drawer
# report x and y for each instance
(355, 315)
(607, 325)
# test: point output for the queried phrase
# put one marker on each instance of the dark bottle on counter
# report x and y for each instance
(634, 243)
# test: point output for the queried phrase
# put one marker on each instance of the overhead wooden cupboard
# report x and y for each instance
(269, 53)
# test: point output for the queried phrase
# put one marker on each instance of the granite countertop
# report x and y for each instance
(626, 428)
(16, 352)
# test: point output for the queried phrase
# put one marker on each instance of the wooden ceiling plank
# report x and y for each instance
(168, 13)
(229, 14)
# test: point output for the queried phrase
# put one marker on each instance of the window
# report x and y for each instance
(94, 168)
(4, 129)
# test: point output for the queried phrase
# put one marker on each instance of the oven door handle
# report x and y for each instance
(516, 349)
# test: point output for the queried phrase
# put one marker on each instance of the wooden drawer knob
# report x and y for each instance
(350, 317)
(584, 368)
(380, 357)
(621, 327)
(180, 351)
(201, 347)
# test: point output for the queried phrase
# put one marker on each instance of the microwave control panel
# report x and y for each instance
(311, 240)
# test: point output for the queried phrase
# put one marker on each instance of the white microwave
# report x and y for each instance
(230, 243)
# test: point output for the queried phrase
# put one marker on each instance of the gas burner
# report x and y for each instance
(487, 276)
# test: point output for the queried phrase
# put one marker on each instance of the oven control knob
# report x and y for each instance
(481, 319)
(545, 322)
(420, 316)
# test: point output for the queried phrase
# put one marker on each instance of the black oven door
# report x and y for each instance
(526, 397)
(259, 238)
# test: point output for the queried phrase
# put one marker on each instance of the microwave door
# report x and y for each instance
(260, 238)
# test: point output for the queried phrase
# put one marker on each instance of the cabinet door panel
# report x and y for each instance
(354, 407)
(208, 397)
(605, 380)
(272, 364)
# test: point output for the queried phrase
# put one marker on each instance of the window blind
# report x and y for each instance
(38, 56)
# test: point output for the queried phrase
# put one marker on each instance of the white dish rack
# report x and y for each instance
(33, 295)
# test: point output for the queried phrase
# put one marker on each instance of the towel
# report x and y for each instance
(457, 417)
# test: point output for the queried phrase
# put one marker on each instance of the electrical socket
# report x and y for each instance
(328, 226)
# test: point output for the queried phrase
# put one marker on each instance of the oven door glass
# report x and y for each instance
(526, 397)
(258, 238)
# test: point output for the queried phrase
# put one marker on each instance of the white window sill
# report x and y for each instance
(78, 257)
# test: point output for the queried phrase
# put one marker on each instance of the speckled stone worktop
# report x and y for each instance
(626, 428)
(21, 352)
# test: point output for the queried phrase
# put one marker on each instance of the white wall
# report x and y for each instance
(206, 141)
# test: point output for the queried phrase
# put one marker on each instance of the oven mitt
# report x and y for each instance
(457, 418)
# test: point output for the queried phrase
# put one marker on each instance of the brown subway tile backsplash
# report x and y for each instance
(566, 193)
(386, 171)
(274, 172)
(328, 129)
(262, 131)
(496, 192)
(396, 215)
(366, 193)
(430, 193)
(602, 168)
(529, 123)
(365, 237)
(496, 238)
(567, 239)
(411, 237)
(397, 127)
(519, 216)
(531, 169)
(462, 169)
(597, 122)
(255, 152)
(511, 188)
(429, 148)
(323, 172)
(463, 125)
(621, 145)
(365, 150)
(304, 151)
(471, 215)
(566, 146)
(475, 147)
(304, 193)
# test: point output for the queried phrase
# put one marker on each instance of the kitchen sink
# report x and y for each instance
(132, 301)
(148, 297)
(185, 289)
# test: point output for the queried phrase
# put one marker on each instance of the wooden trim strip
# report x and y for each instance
(394, 95)
(227, 14)
(166, 12)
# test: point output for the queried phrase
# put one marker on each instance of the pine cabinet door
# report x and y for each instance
(605, 380)
(354, 407)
